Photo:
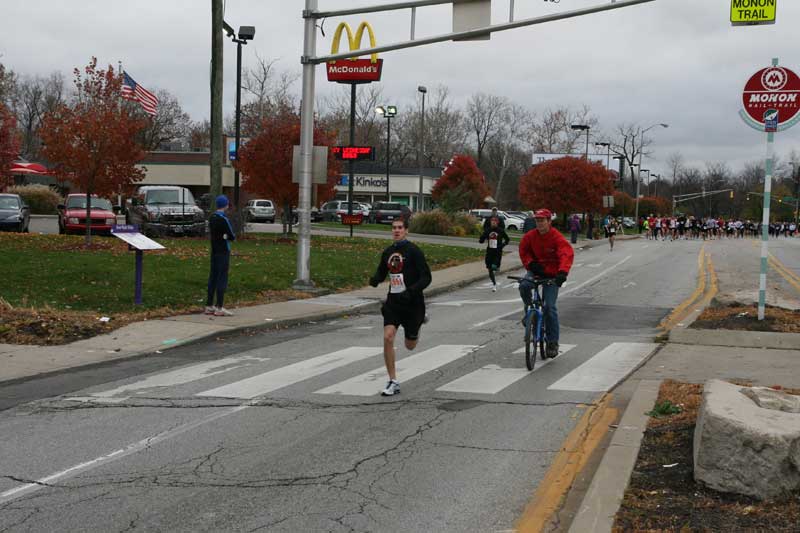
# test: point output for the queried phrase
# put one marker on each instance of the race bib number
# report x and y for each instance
(493, 243)
(396, 283)
(612, 230)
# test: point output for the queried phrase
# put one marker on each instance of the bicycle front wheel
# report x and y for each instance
(530, 340)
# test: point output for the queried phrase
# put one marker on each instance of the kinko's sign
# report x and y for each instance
(354, 70)
(771, 99)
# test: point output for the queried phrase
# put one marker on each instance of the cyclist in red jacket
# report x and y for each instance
(545, 253)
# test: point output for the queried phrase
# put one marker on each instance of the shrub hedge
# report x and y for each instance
(42, 199)
(437, 222)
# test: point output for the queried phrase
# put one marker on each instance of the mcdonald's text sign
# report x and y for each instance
(354, 70)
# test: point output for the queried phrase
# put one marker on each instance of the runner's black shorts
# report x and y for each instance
(493, 259)
(410, 317)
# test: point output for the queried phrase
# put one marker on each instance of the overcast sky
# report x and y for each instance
(673, 61)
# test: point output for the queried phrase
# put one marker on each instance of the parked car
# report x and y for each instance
(511, 222)
(332, 211)
(260, 211)
(166, 209)
(15, 215)
(72, 215)
(316, 215)
(386, 212)
(628, 222)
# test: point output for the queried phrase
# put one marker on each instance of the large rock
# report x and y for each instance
(773, 399)
(742, 448)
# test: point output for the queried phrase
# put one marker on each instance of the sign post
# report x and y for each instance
(137, 242)
(771, 103)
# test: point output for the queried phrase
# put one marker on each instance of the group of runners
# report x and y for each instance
(709, 228)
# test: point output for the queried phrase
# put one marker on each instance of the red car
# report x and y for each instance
(72, 215)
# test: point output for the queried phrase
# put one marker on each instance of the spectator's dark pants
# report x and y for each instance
(573, 236)
(218, 278)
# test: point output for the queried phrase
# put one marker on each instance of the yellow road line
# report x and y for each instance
(677, 314)
(569, 461)
(713, 283)
(792, 278)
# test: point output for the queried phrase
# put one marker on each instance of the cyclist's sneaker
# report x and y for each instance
(552, 349)
(210, 310)
(392, 388)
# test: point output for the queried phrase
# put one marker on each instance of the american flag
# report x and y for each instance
(133, 91)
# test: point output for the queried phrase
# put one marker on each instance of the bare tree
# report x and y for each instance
(551, 132)
(267, 91)
(8, 83)
(628, 143)
(171, 124)
(368, 127)
(505, 152)
(675, 165)
(485, 113)
(199, 136)
(33, 97)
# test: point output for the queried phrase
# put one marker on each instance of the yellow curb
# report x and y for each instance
(677, 314)
(570, 460)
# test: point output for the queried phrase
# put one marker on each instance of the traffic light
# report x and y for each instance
(731, 195)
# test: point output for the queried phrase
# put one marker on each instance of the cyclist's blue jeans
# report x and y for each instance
(549, 296)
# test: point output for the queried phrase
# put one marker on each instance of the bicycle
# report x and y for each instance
(534, 330)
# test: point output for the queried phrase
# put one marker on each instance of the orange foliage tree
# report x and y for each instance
(655, 205)
(9, 145)
(266, 161)
(91, 142)
(623, 204)
(565, 185)
(461, 181)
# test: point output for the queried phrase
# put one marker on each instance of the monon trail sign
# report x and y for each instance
(752, 12)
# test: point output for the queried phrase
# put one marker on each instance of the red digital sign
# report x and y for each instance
(354, 153)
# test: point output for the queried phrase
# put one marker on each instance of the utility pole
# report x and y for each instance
(216, 99)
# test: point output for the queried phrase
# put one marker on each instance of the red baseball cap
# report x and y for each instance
(543, 213)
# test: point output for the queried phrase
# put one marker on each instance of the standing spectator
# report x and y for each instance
(574, 228)
(590, 226)
(221, 233)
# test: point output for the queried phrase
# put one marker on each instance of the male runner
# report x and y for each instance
(496, 238)
(545, 253)
(409, 275)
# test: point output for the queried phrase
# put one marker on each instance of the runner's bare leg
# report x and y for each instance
(389, 333)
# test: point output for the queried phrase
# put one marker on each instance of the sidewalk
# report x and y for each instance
(693, 356)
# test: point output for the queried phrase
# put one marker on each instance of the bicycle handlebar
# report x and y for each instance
(537, 281)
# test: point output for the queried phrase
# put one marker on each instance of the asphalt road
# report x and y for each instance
(284, 431)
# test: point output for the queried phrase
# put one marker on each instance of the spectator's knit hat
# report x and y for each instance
(221, 201)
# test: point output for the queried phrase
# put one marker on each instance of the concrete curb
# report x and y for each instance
(733, 338)
(602, 500)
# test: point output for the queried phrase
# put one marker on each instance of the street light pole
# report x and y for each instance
(420, 200)
(583, 127)
(639, 174)
(246, 33)
(389, 112)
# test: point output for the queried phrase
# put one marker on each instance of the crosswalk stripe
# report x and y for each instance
(369, 383)
(606, 369)
(289, 375)
(178, 376)
(492, 379)
(562, 349)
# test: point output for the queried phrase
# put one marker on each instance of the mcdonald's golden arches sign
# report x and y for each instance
(354, 70)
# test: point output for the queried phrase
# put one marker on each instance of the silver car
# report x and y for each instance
(260, 211)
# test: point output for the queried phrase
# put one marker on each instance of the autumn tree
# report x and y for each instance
(91, 141)
(9, 145)
(463, 180)
(565, 185)
(169, 125)
(266, 161)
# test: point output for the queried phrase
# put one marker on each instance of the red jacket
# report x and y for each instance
(551, 250)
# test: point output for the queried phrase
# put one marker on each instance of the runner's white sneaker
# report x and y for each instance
(392, 388)
(221, 311)
(210, 310)
(494, 287)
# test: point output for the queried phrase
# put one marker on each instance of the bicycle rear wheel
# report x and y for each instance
(530, 340)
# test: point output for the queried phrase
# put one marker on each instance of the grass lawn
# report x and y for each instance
(339, 225)
(55, 271)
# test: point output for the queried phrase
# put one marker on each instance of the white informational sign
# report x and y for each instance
(594, 158)
(608, 201)
(138, 241)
